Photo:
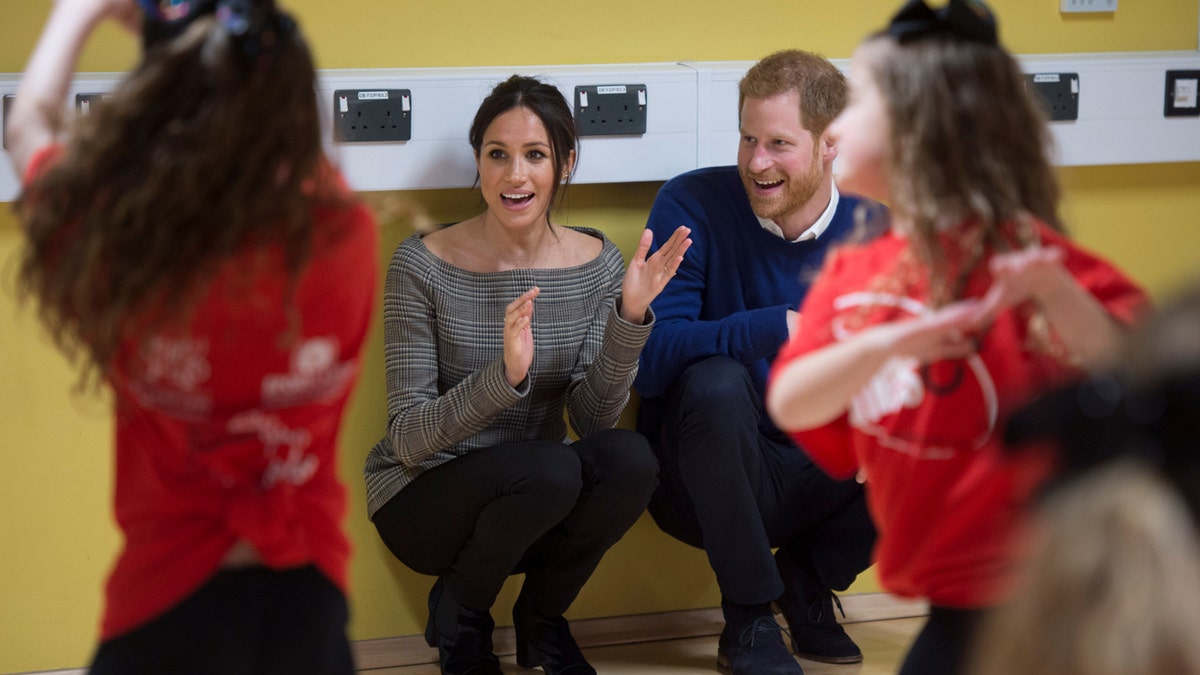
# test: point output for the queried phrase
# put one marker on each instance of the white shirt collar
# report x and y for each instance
(815, 230)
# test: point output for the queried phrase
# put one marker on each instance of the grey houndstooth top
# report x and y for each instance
(444, 355)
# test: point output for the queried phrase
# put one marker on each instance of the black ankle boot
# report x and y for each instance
(463, 636)
(547, 642)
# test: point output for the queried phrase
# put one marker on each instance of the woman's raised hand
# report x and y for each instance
(646, 277)
(518, 337)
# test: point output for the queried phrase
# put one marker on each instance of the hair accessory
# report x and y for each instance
(254, 24)
(968, 19)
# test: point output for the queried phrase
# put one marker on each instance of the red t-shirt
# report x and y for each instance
(227, 427)
(946, 500)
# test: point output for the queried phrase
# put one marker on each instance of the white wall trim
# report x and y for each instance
(692, 117)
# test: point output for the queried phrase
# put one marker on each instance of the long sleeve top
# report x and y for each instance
(948, 502)
(444, 355)
(732, 292)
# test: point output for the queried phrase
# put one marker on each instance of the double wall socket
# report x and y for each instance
(610, 109)
(86, 103)
(1058, 92)
(372, 115)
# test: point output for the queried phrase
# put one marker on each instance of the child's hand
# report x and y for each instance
(127, 13)
(942, 334)
(1028, 274)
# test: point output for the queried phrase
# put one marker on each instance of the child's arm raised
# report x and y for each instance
(1089, 333)
(817, 388)
(36, 116)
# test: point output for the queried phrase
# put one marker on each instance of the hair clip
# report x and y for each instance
(165, 10)
(969, 19)
(254, 24)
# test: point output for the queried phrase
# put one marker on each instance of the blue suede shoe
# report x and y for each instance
(807, 609)
(755, 648)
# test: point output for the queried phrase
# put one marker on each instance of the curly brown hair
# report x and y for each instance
(969, 143)
(197, 154)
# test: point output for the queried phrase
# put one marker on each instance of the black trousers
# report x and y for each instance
(944, 643)
(246, 621)
(540, 507)
(736, 492)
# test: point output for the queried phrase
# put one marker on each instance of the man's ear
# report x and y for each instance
(827, 148)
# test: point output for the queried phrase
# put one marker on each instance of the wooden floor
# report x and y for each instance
(884, 643)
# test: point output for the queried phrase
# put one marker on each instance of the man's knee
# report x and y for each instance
(717, 385)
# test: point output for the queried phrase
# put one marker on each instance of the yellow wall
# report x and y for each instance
(56, 537)
(430, 33)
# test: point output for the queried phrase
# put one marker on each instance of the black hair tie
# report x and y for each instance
(967, 19)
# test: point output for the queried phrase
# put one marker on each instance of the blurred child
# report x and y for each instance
(915, 346)
(1110, 587)
(218, 276)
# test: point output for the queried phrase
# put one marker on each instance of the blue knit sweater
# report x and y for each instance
(733, 289)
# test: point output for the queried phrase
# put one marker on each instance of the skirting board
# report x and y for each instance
(689, 623)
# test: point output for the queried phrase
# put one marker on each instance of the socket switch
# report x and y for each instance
(372, 115)
(1183, 99)
(86, 104)
(1086, 6)
(8, 99)
(610, 109)
(1058, 92)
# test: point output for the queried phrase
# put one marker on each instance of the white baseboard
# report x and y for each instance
(412, 650)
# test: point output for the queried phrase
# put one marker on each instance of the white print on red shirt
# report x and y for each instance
(283, 447)
(172, 370)
(902, 386)
(315, 375)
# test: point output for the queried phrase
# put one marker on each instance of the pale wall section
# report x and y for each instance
(56, 536)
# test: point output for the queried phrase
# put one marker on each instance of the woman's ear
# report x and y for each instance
(570, 165)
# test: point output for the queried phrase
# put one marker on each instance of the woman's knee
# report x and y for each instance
(620, 459)
(552, 474)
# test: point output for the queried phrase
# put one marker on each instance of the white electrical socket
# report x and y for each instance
(1073, 6)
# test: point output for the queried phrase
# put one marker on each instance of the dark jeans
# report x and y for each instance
(942, 646)
(540, 507)
(730, 489)
(246, 621)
